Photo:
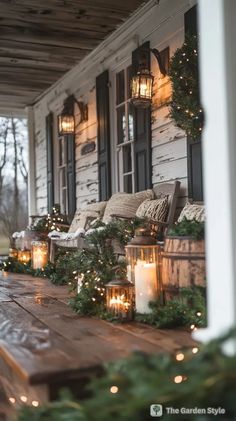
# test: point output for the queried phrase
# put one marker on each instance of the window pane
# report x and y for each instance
(129, 77)
(120, 87)
(128, 183)
(63, 200)
(127, 159)
(62, 157)
(131, 121)
(121, 124)
(63, 177)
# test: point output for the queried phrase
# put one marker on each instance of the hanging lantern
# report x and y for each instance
(141, 88)
(39, 254)
(24, 256)
(120, 299)
(142, 81)
(66, 123)
(13, 253)
(142, 255)
(66, 120)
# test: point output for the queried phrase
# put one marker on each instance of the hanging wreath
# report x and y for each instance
(185, 108)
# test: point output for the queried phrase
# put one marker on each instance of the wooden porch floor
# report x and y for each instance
(44, 344)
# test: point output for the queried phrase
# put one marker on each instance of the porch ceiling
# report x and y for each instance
(42, 40)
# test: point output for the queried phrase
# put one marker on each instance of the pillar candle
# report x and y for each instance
(145, 285)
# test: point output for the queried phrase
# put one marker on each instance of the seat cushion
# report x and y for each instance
(156, 209)
(125, 205)
(93, 210)
(193, 212)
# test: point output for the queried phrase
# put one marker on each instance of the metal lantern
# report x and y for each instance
(141, 88)
(39, 254)
(24, 256)
(66, 123)
(120, 299)
(13, 252)
(142, 268)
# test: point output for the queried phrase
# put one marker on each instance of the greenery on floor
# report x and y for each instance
(187, 309)
(194, 378)
(187, 228)
(98, 263)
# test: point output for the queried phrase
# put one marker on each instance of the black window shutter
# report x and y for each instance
(50, 171)
(190, 21)
(71, 180)
(194, 147)
(103, 118)
(142, 128)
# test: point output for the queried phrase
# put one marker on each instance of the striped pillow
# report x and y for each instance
(154, 209)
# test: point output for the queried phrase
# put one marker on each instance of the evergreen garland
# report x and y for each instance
(185, 108)
(205, 377)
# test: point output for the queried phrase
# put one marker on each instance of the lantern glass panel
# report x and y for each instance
(39, 254)
(120, 300)
(66, 124)
(24, 256)
(136, 254)
(142, 88)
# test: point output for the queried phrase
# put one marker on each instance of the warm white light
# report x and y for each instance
(23, 398)
(195, 350)
(180, 356)
(35, 403)
(12, 400)
(178, 379)
(114, 389)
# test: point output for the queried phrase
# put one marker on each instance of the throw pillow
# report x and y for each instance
(156, 209)
(191, 211)
(125, 204)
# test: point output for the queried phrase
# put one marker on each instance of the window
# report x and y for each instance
(124, 132)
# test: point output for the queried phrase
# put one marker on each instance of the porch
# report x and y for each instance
(45, 346)
(115, 148)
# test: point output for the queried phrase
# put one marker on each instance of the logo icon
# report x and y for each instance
(156, 410)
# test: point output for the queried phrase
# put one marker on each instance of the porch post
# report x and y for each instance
(31, 178)
(218, 92)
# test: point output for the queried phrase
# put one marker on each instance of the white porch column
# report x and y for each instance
(217, 21)
(31, 178)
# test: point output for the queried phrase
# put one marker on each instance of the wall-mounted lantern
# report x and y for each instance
(142, 81)
(66, 120)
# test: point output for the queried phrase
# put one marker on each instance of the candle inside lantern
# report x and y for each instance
(119, 305)
(39, 254)
(120, 297)
(24, 256)
(145, 285)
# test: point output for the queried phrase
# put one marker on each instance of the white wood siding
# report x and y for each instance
(163, 25)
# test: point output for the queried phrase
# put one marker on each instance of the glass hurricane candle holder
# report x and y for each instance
(120, 299)
(39, 254)
(24, 256)
(142, 268)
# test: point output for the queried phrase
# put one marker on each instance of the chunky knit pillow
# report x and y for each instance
(93, 210)
(125, 204)
(156, 209)
(191, 212)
